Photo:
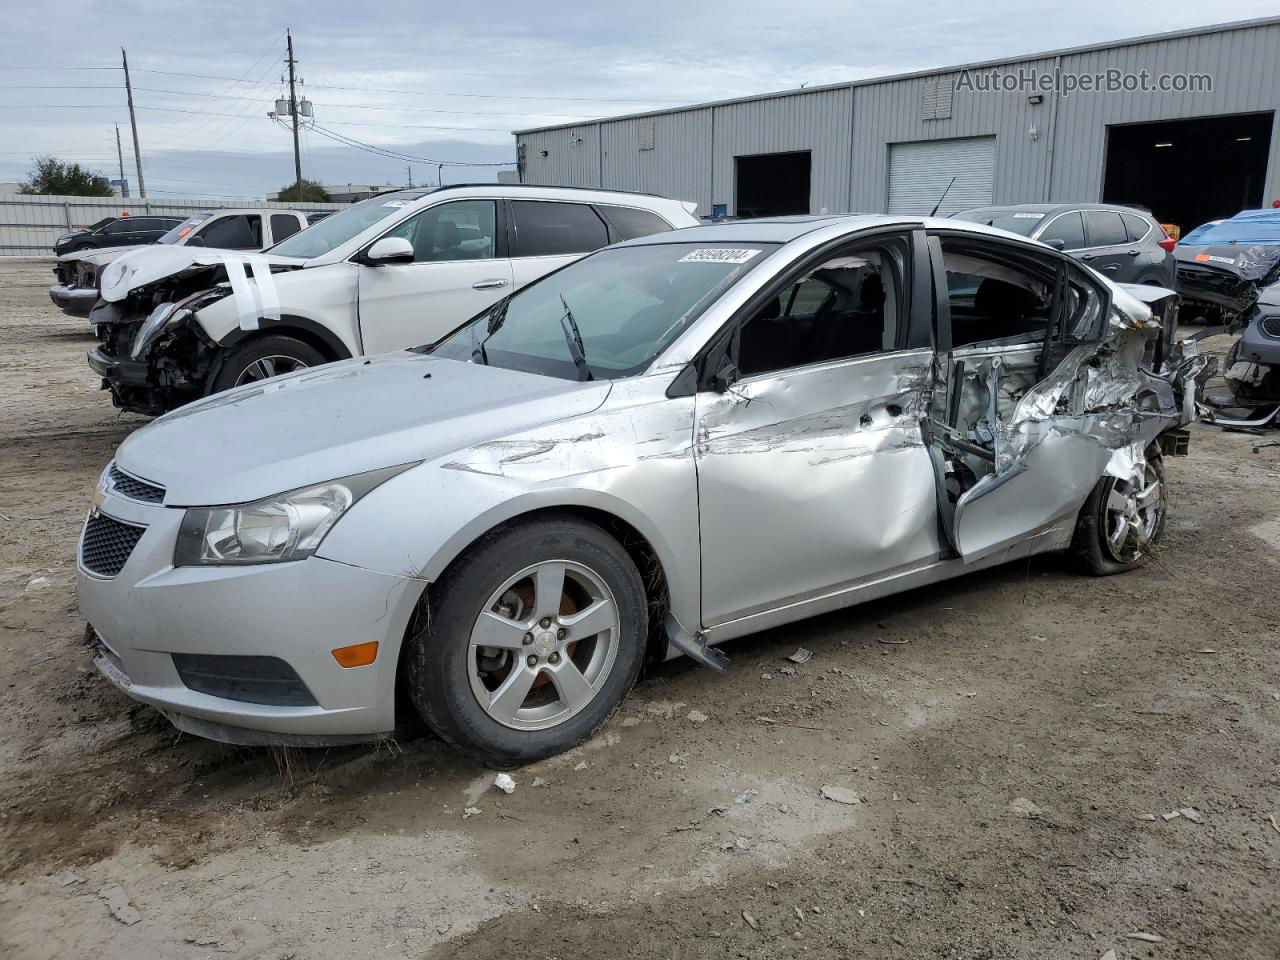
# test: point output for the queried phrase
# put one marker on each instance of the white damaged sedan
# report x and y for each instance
(667, 444)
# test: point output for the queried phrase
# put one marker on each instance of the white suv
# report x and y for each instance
(391, 272)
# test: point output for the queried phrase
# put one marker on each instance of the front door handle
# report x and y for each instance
(1133, 253)
(488, 284)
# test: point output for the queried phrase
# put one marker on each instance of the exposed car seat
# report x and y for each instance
(767, 341)
(1000, 309)
(860, 330)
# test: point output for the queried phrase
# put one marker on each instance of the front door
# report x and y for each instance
(1015, 451)
(459, 269)
(812, 470)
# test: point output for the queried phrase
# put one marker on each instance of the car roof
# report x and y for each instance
(786, 229)
(1049, 208)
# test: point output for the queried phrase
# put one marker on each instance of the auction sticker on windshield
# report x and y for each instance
(718, 255)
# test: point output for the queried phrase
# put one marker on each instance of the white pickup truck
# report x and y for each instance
(246, 230)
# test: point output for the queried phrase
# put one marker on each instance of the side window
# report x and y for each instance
(141, 224)
(1106, 229)
(283, 225)
(1135, 227)
(123, 225)
(237, 232)
(846, 306)
(461, 230)
(628, 222)
(1068, 228)
(993, 300)
(545, 228)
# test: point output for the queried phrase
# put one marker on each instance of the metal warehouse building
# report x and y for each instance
(1189, 148)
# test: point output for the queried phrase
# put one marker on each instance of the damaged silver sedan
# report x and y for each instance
(665, 445)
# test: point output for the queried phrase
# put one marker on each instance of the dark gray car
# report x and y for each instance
(1124, 244)
(116, 232)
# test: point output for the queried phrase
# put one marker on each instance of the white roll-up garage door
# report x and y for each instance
(920, 172)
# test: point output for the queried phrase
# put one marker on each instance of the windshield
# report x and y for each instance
(605, 316)
(335, 230)
(1015, 221)
(1255, 229)
(184, 228)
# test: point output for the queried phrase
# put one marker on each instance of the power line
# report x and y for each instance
(433, 93)
(397, 155)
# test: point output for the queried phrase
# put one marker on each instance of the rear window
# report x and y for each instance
(629, 223)
(1106, 229)
(1135, 227)
(545, 229)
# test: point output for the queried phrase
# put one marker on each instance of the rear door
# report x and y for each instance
(547, 234)
(460, 267)
(1109, 250)
(119, 234)
(1013, 449)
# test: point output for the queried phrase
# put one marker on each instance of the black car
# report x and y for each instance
(1122, 243)
(115, 232)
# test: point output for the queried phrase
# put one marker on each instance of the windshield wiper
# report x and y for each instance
(497, 317)
(573, 337)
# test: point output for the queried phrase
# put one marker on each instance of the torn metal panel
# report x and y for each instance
(835, 451)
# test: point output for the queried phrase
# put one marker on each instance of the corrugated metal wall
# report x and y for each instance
(1244, 64)
(1054, 150)
(30, 224)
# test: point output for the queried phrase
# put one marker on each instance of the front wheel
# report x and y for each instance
(1121, 521)
(262, 358)
(531, 641)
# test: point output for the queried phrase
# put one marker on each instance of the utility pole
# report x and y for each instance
(409, 167)
(124, 184)
(133, 122)
(440, 175)
(293, 112)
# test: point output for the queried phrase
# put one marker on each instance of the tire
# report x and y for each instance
(530, 711)
(1100, 546)
(256, 359)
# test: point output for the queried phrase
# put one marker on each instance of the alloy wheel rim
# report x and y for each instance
(543, 645)
(268, 367)
(1132, 515)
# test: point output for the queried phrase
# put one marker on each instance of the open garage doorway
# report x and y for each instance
(772, 184)
(1189, 171)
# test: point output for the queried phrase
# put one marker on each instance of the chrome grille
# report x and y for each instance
(107, 543)
(1271, 326)
(133, 488)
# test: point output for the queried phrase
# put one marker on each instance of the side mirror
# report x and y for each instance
(196, 242)
(1057, 243)
(389, 250)
(726, 376)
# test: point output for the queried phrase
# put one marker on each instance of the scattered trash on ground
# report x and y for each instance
(697, 717)
(840, 795)
(538, 782)
(745, 796)
(1192, 814)
(119, 905)
(581, 765)
(750, 920)
(766, 676)
(1171, 815)
(1147, 816)
(679, 759)
(801, 655)
(504, 783)
(37, 583)
(66, 878)
(1022, 807)
(470, 812)
(892, 643)
(1109, 955)
(1146, 937)
(1274, 825)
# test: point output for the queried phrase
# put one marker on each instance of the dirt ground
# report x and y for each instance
(1016, 738)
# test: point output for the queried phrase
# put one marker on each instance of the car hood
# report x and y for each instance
(145, 265)
(341, 419)
(100, 256)
(1227, 275)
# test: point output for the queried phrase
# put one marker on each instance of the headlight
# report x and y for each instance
(151, 327)
(289, 526)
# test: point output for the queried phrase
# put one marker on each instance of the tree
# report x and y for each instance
(305, 191)
(51, 176)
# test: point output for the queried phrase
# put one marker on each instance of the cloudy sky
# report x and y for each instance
(450, 81)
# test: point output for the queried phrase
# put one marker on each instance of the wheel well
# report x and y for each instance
(632, 540)
(323, 347)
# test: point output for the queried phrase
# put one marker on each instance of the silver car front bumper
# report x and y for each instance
(297, 612)
(77, 301)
